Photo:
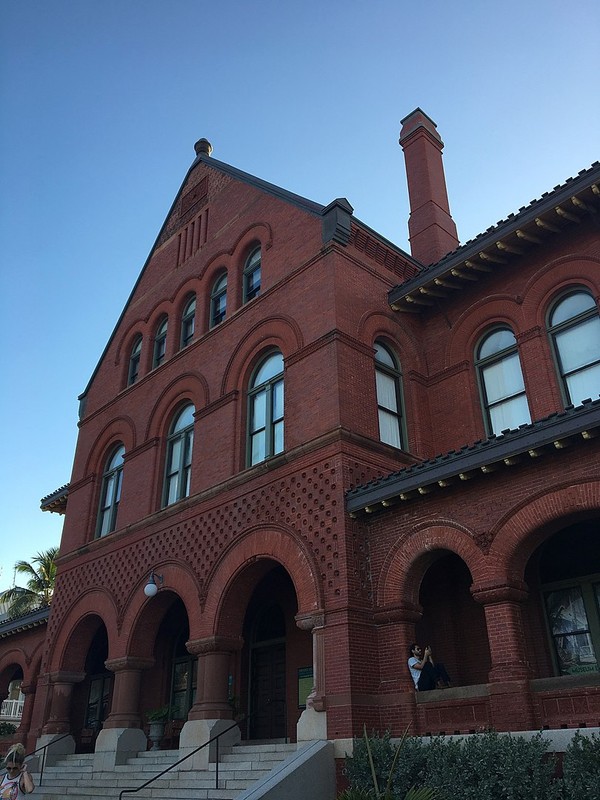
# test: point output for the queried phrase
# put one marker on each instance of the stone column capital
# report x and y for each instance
(405, 612)
(310, 619)
(490, 594)
(128, 662)
(214, 644)
(65, 676)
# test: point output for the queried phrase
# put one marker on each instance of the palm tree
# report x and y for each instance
(41, 574)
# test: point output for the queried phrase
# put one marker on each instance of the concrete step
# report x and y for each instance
(243, 765)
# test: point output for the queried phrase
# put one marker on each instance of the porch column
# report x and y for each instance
(510, 695)
(214, 656)
(22, 731)
(124, 709)
(121, 737)
(211, 713)
(59, 718)
(312, 724)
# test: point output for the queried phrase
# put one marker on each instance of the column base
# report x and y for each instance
(312, 725)
(198, 731)
(114, 746)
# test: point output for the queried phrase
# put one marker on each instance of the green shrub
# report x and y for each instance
(581, 767)
(7, 728)
(487, 766)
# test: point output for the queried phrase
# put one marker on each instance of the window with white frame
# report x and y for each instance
(265, 409)
(574, 328)
(179, 456)
(388, 379)
(110, 493)
(501, 382)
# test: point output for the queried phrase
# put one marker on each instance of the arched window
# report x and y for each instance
(179, 456)
(110, 494)
(218, 301)
(389, 395)
(188, 322)
(265, 410)
(251, 278)
(134, 361)
(160, 343)
(574, 327)
(501, 381)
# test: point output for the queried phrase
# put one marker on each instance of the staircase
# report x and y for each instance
(239, 770)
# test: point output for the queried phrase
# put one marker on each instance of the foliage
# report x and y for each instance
(581, 767)
(7, 729)
(158, 714)
(378, 763)
(41, 577)
(488, 766)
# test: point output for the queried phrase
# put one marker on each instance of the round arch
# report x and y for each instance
(410, 558)
(241, 567)
(76, 629)
(522, 530)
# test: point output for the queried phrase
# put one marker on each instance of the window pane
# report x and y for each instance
(172, 486)
(383, 356)
(584, 384)
(496, 342)
(278, 437)
(271, 367)
(503, 378)
(389, 428)
(510, 414)
(571, 306)
(258, 416)
(185, 418)
(189, 443)
(570, 630)
(386, 391)
(579, 345)
(277, 400)
(175, 455)
(258, 447)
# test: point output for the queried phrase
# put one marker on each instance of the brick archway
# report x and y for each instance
(232, 581)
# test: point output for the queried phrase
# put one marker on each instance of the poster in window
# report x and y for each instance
(570, 631)
(305, 685)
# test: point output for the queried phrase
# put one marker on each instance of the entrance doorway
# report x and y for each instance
(267, 675)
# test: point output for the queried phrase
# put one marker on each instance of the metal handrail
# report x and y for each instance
(181, 760)
(44, 748)
(216, 738)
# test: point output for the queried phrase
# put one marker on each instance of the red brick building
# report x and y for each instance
(321, 449)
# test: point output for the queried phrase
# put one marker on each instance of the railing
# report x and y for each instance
(215, 739)
(44, 749)
(13, 709)
(181, 760)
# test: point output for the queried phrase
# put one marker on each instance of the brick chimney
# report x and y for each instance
(431, 229)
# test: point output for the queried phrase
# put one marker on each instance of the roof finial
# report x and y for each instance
(203, 147)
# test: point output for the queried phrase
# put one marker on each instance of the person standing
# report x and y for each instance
(17, 781)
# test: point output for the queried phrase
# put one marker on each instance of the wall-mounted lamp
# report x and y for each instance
(150, 589)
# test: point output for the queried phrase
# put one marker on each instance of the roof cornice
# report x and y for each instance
(553, 213)
(549, 435)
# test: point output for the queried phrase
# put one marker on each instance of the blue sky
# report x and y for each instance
(102, 101)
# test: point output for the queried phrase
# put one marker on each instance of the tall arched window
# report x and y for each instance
(218, 300)
(501, 381)
(134, 361)
(389, 395)
(160, 343)
(574, 328)
(110, 493)
(251, 279)
(188, 322)
(265, 409)
(179, 456)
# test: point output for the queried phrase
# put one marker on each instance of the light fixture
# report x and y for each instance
(150, 589)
